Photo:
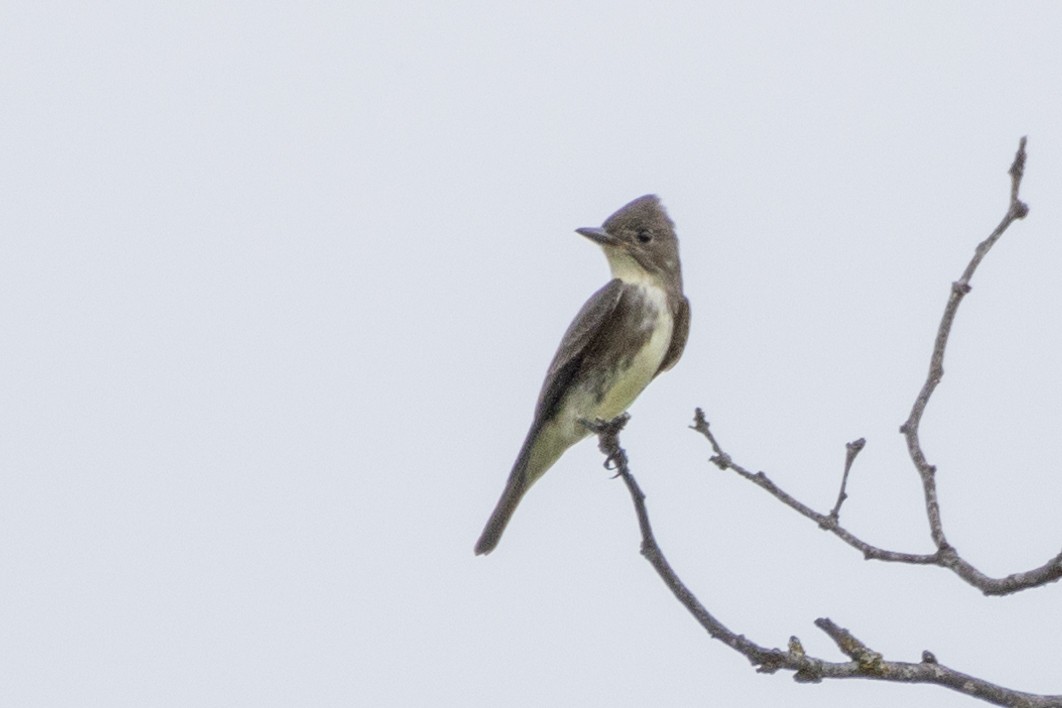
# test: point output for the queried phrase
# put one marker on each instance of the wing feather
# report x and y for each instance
(584, 330)
(679, 335)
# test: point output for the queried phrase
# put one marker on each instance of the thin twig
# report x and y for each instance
(825, 521)
(1016, 209)
(851, 450)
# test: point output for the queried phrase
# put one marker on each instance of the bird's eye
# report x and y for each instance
(645, 235)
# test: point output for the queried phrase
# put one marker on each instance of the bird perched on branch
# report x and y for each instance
(628, 332)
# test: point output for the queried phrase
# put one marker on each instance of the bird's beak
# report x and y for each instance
(598, 235)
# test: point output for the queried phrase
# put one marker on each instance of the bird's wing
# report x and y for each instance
(582, 333)
(679, 335)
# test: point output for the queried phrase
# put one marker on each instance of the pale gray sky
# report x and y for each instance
(278, 287)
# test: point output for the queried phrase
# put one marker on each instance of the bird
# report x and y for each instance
(631, 330)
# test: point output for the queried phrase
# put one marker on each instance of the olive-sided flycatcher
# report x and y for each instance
(627, 332)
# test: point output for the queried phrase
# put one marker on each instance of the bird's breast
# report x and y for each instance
(643, 326)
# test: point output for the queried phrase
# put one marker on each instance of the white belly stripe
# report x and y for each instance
(646, 363)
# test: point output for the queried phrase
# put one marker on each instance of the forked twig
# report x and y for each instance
(945, 555)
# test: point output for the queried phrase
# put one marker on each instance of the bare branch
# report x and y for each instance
(825, 521)
(865, 663)
(1016, 209)
(945, 556)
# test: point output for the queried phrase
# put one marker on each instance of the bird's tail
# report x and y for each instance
(543, 446)
(515, 489)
